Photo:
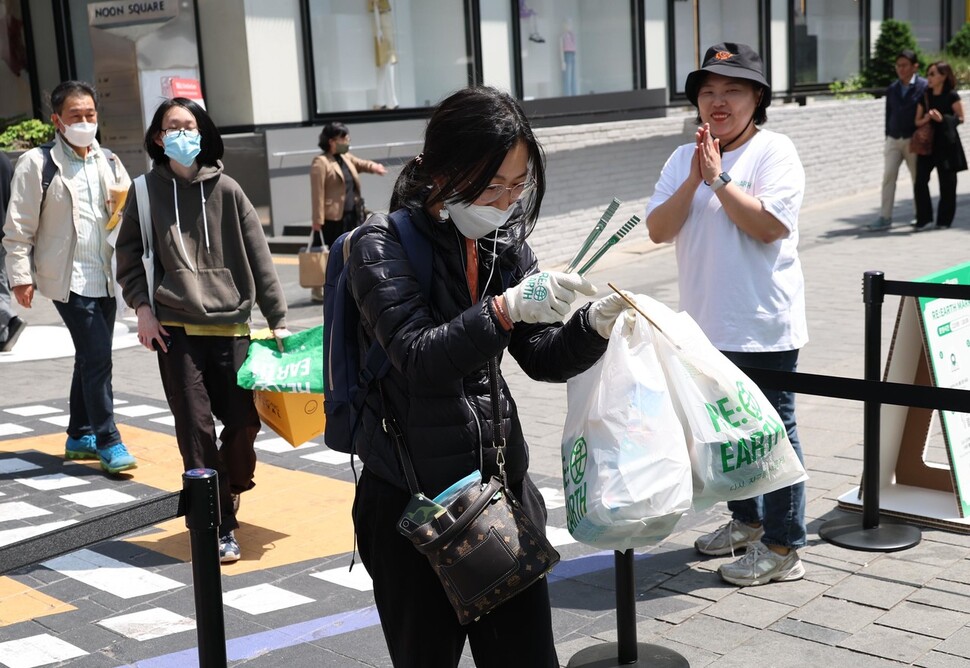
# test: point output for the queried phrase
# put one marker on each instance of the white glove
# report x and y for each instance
(545, 297)
(604, 312)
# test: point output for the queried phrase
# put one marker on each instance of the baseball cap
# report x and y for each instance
(729, 59)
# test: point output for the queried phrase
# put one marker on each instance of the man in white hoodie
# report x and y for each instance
(57, 243)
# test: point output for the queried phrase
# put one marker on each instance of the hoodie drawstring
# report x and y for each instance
(178, 223)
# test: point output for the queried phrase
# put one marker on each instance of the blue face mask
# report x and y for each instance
(183, 147)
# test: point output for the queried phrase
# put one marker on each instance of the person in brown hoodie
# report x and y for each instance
(211, 266)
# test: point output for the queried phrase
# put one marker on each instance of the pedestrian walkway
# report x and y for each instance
(291, 599)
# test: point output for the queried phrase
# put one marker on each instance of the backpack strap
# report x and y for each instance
(48, 172)
(418, 249)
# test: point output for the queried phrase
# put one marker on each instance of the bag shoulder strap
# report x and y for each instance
(145, 223)
(48, 171)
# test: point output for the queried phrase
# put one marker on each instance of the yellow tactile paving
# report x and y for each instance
(290, 516)
(20, 603)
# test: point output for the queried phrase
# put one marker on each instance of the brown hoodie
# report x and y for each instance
(212, 263)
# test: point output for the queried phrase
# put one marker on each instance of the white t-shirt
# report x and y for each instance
(745, 294)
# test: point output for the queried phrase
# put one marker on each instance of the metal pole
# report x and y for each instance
(873, 292)
(626, 608)
(200, 494)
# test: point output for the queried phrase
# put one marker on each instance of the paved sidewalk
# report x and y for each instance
(852, 608)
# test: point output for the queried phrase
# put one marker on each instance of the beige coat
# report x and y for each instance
(40, 243)
(327, 190)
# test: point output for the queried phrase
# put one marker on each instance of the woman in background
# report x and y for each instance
(335, 188)
(941, 106)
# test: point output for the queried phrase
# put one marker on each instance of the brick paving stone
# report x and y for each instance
(924, 619)
(932, 553)
(795, 594)
(699, 583)
(711, 633)
(748, 610)
(936, 659)
(836, 614)
(958, 644)
(825, 570)
(890, 643)
(944, 594)
(673, 608)
(958, 572)
(871, 591)
(806, 631)
(903, 571)
(777, 650)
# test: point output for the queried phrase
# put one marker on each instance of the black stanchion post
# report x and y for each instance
(626, 651)
(872, 534)
(200, 495)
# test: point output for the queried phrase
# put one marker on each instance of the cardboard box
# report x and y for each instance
(295, 416)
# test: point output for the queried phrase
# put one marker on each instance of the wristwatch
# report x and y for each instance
(722, 180)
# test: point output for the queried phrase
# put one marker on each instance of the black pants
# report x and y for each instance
(420, 626)
(334, 228)
(947, 207)
(199, 377)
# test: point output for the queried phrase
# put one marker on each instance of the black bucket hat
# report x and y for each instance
(729, 59)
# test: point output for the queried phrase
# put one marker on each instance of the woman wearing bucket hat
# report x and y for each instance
(730, 201)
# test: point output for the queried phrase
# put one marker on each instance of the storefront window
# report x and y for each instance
(827, 44)
(575, 47)
(384, 54)
(699, 25)
(496, 30)
(15, 102)
(925, 17)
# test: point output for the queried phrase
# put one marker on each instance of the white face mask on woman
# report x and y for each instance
(80, 134)
(476, 220)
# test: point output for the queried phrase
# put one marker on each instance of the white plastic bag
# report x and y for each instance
(626, 471)
(739, 447)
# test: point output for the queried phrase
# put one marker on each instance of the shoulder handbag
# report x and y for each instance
(921, 143)
(313, 264)
(482, 545)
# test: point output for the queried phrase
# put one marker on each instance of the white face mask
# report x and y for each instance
(475, 220)
(80, 134)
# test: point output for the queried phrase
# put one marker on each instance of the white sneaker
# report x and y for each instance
(727, 538)
(760, 565)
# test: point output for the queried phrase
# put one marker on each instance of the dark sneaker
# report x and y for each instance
(760, 565)
(728, 538)
(228, 548)
(14, 328)
(881, 225)
(116, 458)
(85, 447)
(920, 227)
(537, 38)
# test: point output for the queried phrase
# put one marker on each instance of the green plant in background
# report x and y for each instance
(849, 89)
(959, 46)
(26, 134)
(894, 36)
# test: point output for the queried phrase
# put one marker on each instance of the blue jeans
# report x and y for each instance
(782, 512)
(569, 73)
(91, 321)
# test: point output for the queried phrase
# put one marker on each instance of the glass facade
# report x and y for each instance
(15, 102)
(827, 44)
(575, 47)
(698, 24)
(384, 54)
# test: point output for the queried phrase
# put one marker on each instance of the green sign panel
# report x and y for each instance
(946, 329)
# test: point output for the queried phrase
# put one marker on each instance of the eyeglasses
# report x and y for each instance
(175, 132)
(494, 192)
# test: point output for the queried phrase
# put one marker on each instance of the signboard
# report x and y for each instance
(945, 324)
(125, 13)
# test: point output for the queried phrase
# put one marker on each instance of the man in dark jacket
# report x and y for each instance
(901, 99)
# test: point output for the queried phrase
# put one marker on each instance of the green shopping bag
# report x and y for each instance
(299, 368)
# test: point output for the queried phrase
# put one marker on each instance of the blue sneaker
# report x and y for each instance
(85, 447)
(116, 458)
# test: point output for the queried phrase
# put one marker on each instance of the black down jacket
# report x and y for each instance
(437, 389)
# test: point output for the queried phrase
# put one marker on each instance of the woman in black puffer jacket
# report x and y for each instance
(475, 193)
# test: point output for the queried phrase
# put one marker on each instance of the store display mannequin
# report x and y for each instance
(385, 53)
(567, 43)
